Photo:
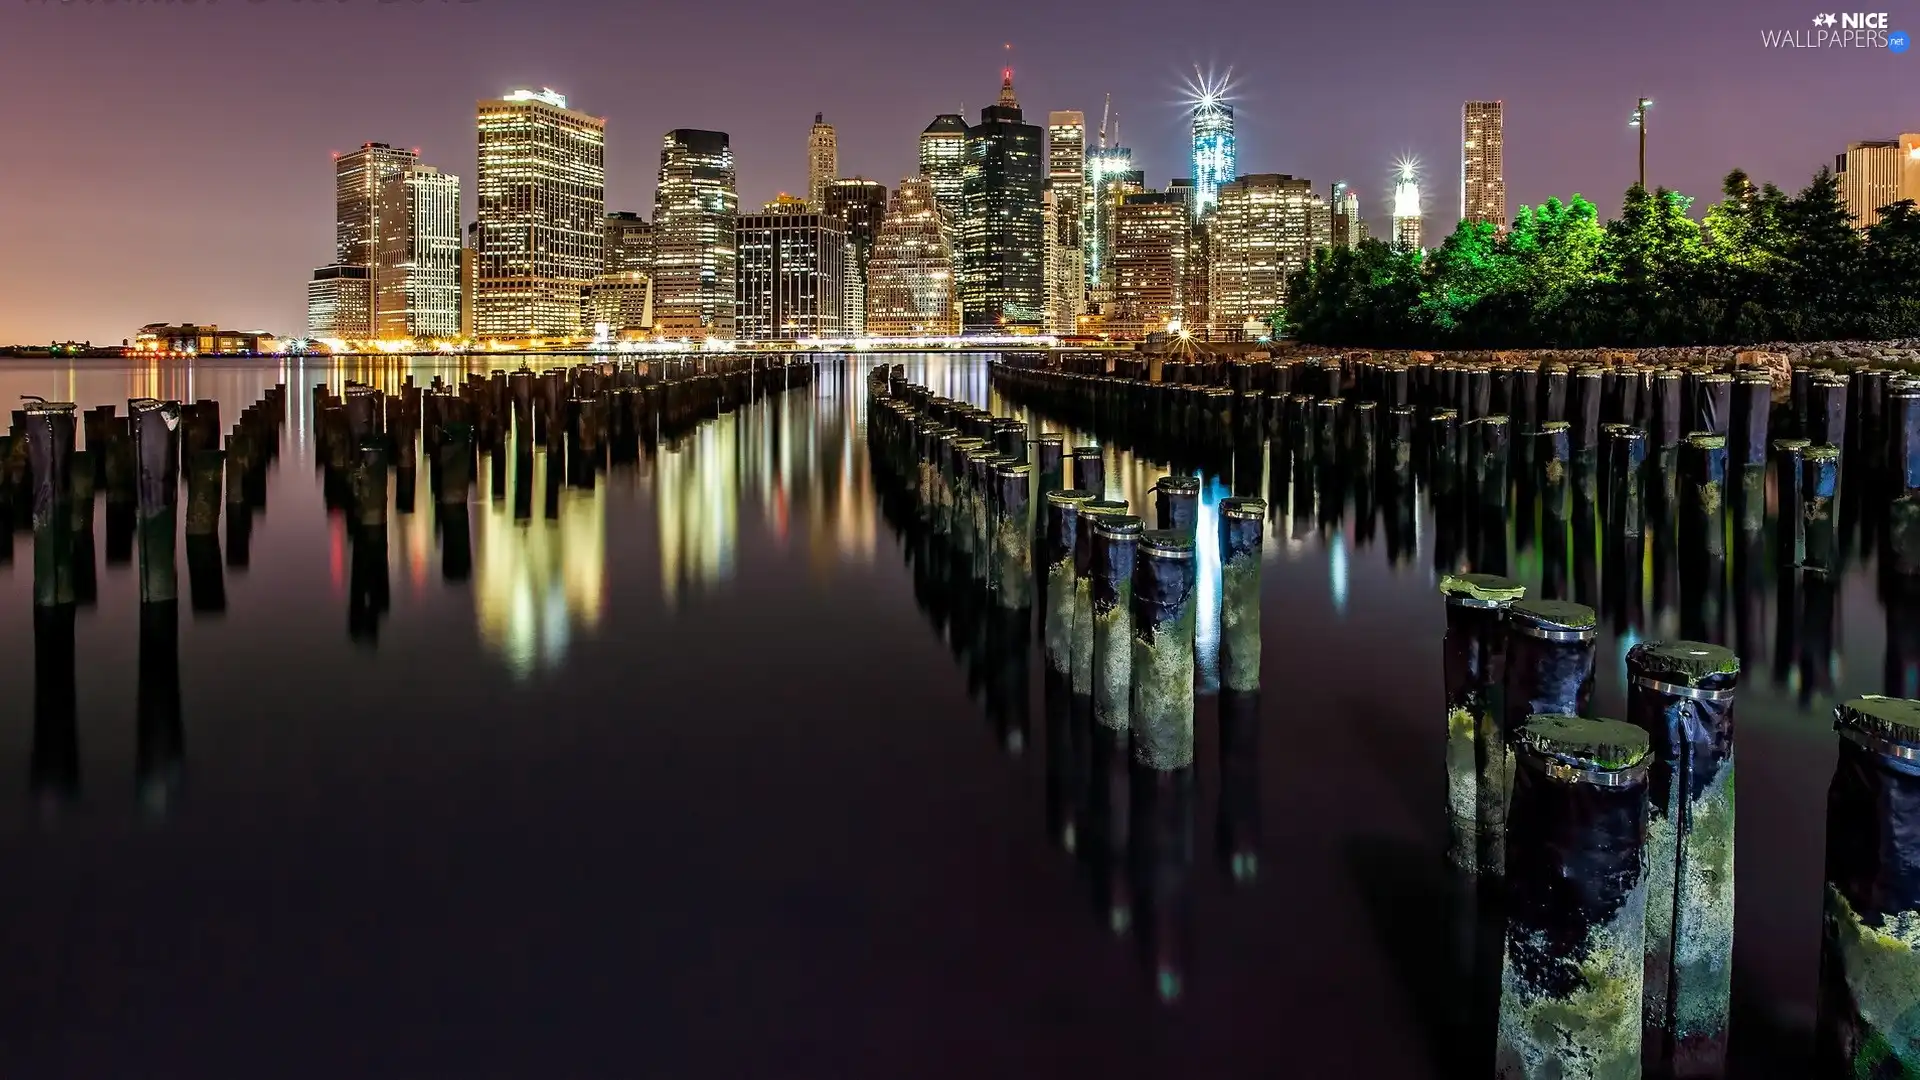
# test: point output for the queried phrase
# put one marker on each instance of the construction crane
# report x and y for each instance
(1105, 110)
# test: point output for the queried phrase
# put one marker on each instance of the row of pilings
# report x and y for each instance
(1594, 858)
(136, 465)
(584, 419)
(1007, 533)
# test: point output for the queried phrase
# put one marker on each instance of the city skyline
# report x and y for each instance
(241, 201)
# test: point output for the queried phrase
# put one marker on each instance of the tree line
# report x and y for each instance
(1762, 266)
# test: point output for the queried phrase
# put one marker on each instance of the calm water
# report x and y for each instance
(687, 780)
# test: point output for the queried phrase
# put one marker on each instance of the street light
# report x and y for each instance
(1639, 120)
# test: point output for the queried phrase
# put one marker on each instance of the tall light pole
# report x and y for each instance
(1640, 121)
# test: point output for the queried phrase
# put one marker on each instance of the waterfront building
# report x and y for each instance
(203, 340)
(1873, 175)
(629, 244)
(694, 211)
(1110, 177)
(1067, 179)
(911, 284)
(469, 271)
(861, 206)
(357, 179)
(1483, 173)
(823, 161)
(340, 302)
(1002, 247)
(1344, 210)
(416, 277)
(1215, 161)
(542, 195)
(792, 273)
(1196, 309)
(943, 161)
(622, 302)
(1261, 231)
(1151, 233)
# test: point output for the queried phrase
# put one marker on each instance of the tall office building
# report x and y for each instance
(1067, 179)
(1348, 229)
(416, 277)
(1151, 234)
(792, 273)
(1873, 175)
(1214, 159)
(357, 177)
(861, 206)
(1406, 206)
(1003, 283)
(911, 284)
(542, 189)
(339, 300)
(629, 244)
(622, 302)
(694, 208)
(1261, 230)
(1483, 172)
(823, 160)
(1196, 310)
(1110, 175)
(943, 161)
(1062, 286)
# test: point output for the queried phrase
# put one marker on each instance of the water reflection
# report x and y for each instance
(540, 580)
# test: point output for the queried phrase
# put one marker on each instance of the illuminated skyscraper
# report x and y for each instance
(1110, 176)
(694, 208)
(1406, 204)
(860, 205)
(1261, 230)
(622, 302)
(357, 177)
(823, 161)
(629, 243)
(911, 285)
(943, 161)
(1003, 282)
(1348, 229)
(542, 201)
(792, 273)
(1483, 172)
(339, 298)
(1877, 174)
(1214, 159)
(1067, 179)
(416, 279)
(1151, 233)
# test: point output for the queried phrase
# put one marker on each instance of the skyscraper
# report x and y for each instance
(621, 301)
(629, 244)
(357, 177)
(1877, 174)
(823, 161)
(943, 161)
(542, 190)
(1110, 175)
(1348, 229)
(860, 205)
(694, 208)
(911, 285)
(1002, 249)
(1067, 179)
(1261, 230)
(1151, 233)
(416, 279)
(1065, 288)
(1483, 172)
(1406, 205)
(792, 273)
(1214, 158)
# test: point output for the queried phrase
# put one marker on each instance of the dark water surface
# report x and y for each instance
(685, 781)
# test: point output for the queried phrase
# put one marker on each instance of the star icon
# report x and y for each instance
(1819, 20)
(1828, 19)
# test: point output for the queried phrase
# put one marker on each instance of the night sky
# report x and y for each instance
(170, 162)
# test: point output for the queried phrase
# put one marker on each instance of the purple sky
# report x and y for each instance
(170, 161)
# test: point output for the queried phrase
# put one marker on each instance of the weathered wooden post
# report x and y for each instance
(206, 577)
(1176, 504)
(1475, 646)
(1090, 471)
(48, 428)
(157, 455)
(1242, 532)
(1902, 422)
(1627, 465)
(1063, 523)
(1013, 535)
(1115, 543)
(1869, 955)
(1571, 986)
(1819, 490)
(1704, 502)
(1160, 711)
(1549, 670)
